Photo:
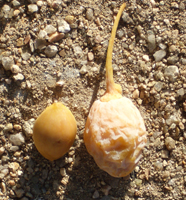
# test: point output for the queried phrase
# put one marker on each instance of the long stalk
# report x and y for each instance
(109, 70)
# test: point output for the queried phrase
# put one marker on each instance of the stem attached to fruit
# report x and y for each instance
(109, 71)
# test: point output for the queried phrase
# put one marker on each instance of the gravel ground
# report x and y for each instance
(55, 50)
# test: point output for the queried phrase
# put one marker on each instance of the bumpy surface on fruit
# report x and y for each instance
(54, 131)
(114, 135)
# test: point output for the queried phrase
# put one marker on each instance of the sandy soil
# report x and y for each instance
(38, 68)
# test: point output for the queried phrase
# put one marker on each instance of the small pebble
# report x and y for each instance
(60, 83)
(17, 139)
(146, 58)
(42, 34)
(153, 3)
(20, 42)
(78, 50)
(64, 180)
(151, 41)
(3, 187)
(170, 143)
(183, 60)
(55, 37)
(50, 29)
(172, 118)
(98, 39)
(138, 182)
(63, 172)
(70, 19)
(62, 53)
(126, 18)
(11, 182)
(174, 5)
(16, 12)
(14, 148)
(159, 55)
(7, 62)
(32, 8)
(171, 72)
(28, 127)
(181, 92)
(18, 77)
(14, 166)
(6, 11)
(95, 195)
(8, 127)
(25, 55)
(40, 43)
(90, 56)
(3, 172)
(89, 14)
(120, 33)
(158, 165)
(19, 192)
(2, 150)
(162, 46)
(15, 69)
(40, 3)
(166, 21)
(83, 70)
(15, 3)
(158, 86)
(51, 51)
(105, 189)
(63, 26)
(182, 6)
(135, 94)
(17, 127)
(172, 59)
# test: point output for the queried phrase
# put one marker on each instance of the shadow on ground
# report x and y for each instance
(41, 179)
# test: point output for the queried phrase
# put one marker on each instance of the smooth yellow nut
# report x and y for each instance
(54, 131)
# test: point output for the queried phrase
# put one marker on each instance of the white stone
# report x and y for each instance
(16, 12)
(63, 172)
(135, 94)
(151, 41)
(17, 139)
(2, 150)
(159, 55)
(51, 51)
(39, 3)
(60, 83)
(15, 69)
(32, 8)
(28, 127)
(50, 29)
(89, 14)
(8, 127)
(146, 58)
(83, 70)
(171, 72)
(15, 3)
(63, 26)
(153, 3)
(42, 34)
(7, 62)
(25, 55)
(77, 51)
(18, 77)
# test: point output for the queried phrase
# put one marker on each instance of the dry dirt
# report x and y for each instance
(149, 62)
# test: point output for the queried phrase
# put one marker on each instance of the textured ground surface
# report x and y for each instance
(65, 62)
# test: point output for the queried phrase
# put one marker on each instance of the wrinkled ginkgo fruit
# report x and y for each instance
(115, 133)
(54, 131)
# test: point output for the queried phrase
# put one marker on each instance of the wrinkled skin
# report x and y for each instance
(114, 135)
